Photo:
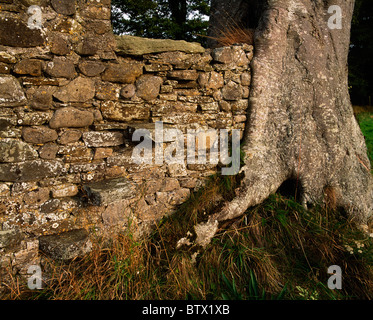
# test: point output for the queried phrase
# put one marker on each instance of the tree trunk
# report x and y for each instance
(301, 126)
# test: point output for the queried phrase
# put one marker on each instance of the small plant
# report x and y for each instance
(232, 292)
(307, 295)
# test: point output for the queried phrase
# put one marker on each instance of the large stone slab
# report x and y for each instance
(11, 93)
(137, 46)
(66, 245)
(33, 170)
(109, 191)
(12, 150)
(15, 33)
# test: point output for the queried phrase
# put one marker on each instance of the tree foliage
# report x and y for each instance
(361, 53)
(174, 19)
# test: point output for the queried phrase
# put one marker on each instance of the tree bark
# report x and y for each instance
(301, 125)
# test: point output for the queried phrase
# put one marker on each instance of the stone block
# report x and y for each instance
(107, 91)
(91, 68)
(4, 192)
(190, 75)
(76, 153)
(245, 79)
(232, 91)
(96, 13)
(64, 190)
(12, 150)
(60, 67)
(4, 68)
(211, 80)
(174, 197)
(34, 118)
(48, 151)
(126, 72)
(170, 184)
(128, 91)
(39, 135)
(87, 167)
(102, 139)
(33, 170)
(239, 56)
(177, 170)
(222, 55)
(7, 57)
(11, 93)
(157, 67)
(28, 66)
(148, 87)
(40, 98)
(50, 206)
(66, 245)
(79, 90)
(65, 7)
(103, 153)
(71, 117)
(10, 238)
(59, 45)
(70, 136)
(15, 33)
(117, 111)
(37, 196)
(109, 191)
(118, 212)
(131, 45)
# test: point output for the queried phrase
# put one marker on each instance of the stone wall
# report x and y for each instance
(71, 95)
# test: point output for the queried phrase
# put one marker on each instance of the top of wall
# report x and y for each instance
(63, 26)
(138, 46)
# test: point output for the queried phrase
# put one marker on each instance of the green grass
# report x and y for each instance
(365, 120)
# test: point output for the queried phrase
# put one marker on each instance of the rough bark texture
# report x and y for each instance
(301, 125)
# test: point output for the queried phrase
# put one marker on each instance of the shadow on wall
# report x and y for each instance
(71, 95)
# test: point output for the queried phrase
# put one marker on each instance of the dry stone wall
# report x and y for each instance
(71, 96)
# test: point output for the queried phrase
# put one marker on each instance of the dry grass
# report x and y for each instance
(277, 250)
(233, 35)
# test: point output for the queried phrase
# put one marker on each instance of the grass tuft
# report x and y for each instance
(277, 250)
